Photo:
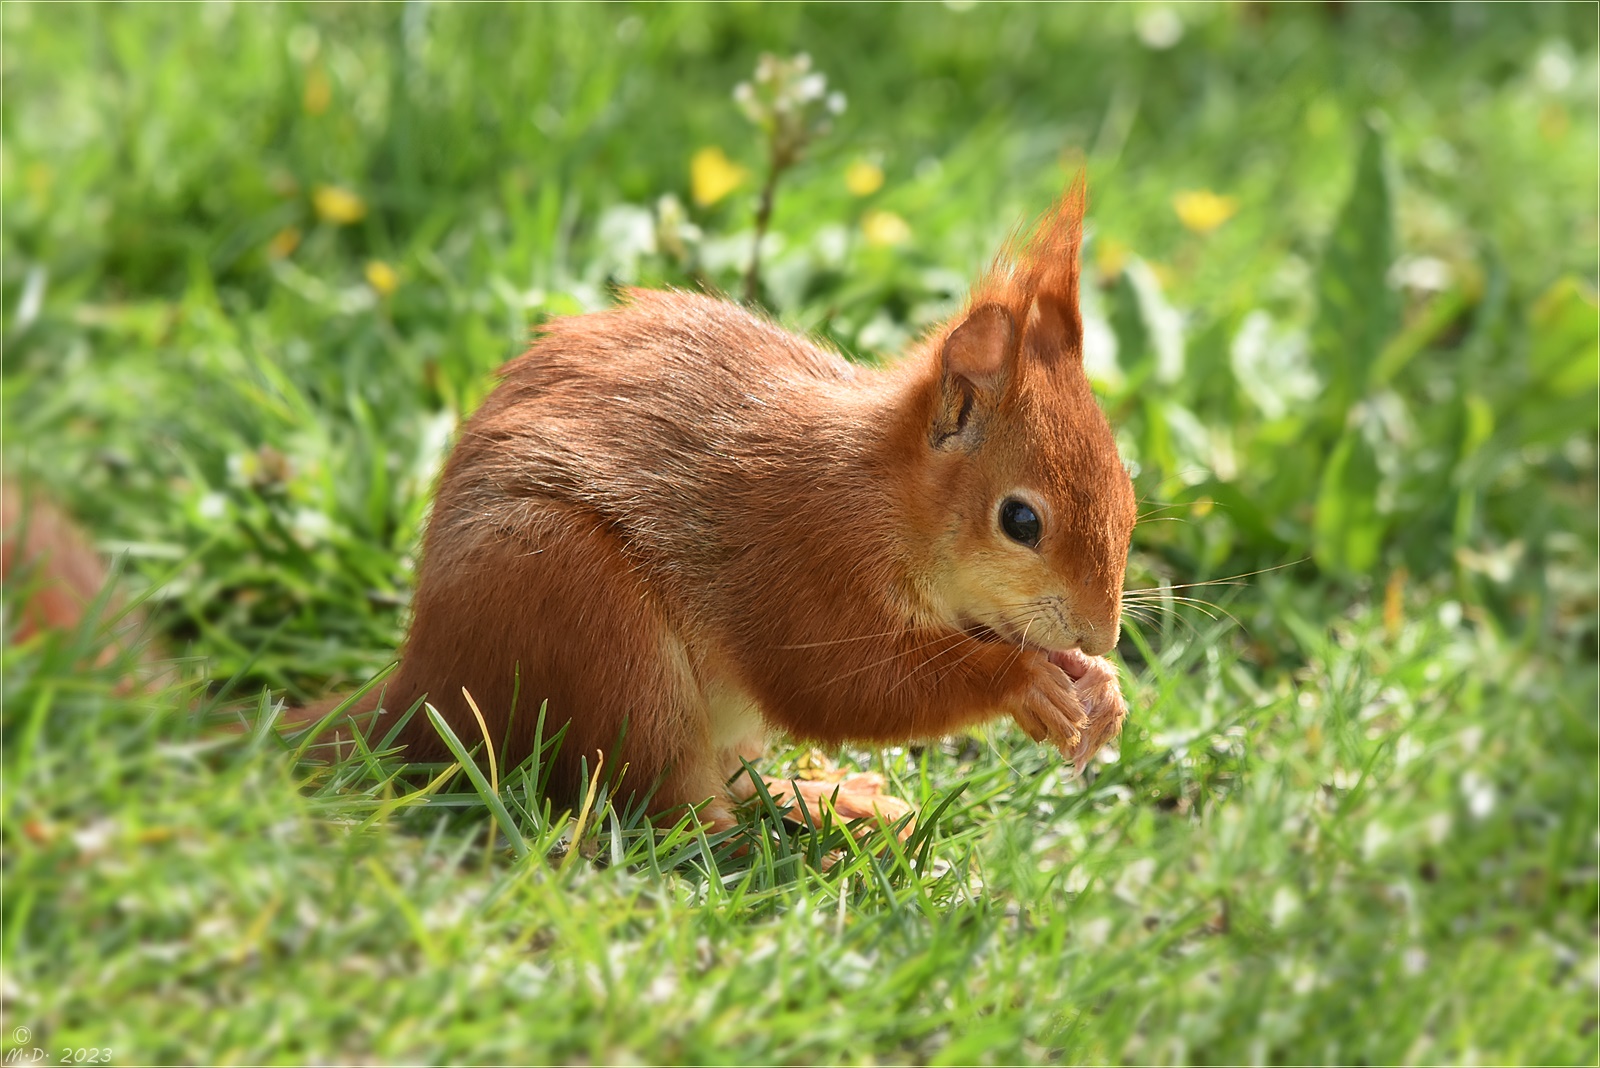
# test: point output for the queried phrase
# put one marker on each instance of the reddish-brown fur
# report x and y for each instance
(63, 575)
(680, 524)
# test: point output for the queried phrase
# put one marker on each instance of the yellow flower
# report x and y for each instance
(712, 176)
(338, 206)
(1110, 255)
(318, 93)
(39, 178)
(885, 228)
(1394, 603)
(863, 178)
(1203, 211)
(284, 242)
(382, 277)
(1554, 122)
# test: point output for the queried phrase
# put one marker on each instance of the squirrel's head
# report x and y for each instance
(1030, 508)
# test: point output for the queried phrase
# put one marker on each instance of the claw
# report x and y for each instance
(1099, 689)
(1079, 710)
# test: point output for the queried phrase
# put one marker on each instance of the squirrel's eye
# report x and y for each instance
(1019, 522)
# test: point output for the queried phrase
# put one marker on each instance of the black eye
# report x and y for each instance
(1019, 522)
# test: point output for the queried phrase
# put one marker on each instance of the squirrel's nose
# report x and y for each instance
(1100, 639)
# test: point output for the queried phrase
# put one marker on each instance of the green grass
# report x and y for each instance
(1351, 819)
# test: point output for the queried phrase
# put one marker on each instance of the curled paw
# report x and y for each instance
(1051, 710)
(1099, 691)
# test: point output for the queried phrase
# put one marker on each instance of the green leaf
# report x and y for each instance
(1557, 400)
(1149, 330)
(1445, 310)
(1348, 528)
(1565, 354)
(1134, 351)
(1479, 425)
(1356, 310)
(1243, 511)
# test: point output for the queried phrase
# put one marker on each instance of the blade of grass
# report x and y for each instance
(479, 783)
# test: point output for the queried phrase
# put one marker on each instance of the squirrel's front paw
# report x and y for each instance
(1099, 691)
(1051, 709)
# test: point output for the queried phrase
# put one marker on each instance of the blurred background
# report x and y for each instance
(261, 260)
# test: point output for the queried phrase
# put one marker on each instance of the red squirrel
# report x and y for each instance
(682, 526)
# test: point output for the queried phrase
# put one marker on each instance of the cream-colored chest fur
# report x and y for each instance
(736, 726)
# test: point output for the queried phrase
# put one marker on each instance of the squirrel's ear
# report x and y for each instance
(976, 360)
(1053, 332)
(981, 349)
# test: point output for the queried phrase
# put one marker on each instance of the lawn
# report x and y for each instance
(260, 261)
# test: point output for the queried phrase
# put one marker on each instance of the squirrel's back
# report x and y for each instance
(685, 423)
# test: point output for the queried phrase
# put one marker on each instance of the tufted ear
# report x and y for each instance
(1054, 331)
(976, 361)
(1037, 278)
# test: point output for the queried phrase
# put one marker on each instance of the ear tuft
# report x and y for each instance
(1051, 331)
(1036, 278)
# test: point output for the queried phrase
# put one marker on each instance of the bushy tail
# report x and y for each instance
(58, 576)
(57, 582)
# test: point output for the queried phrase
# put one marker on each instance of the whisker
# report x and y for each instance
(1205, 608)
(957, 637)
(974, 644)
(1141, 618)
(845, 641)
(1021, 645)
(1165, 506)
(1041, 604)
(944, 674)
(1226, 581)
(1161, 591)
(1172, 597)
(1147, 613)
(1183, 476)
(1159, 623)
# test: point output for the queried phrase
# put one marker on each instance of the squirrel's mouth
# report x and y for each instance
(986, 634)
(1074, 661)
